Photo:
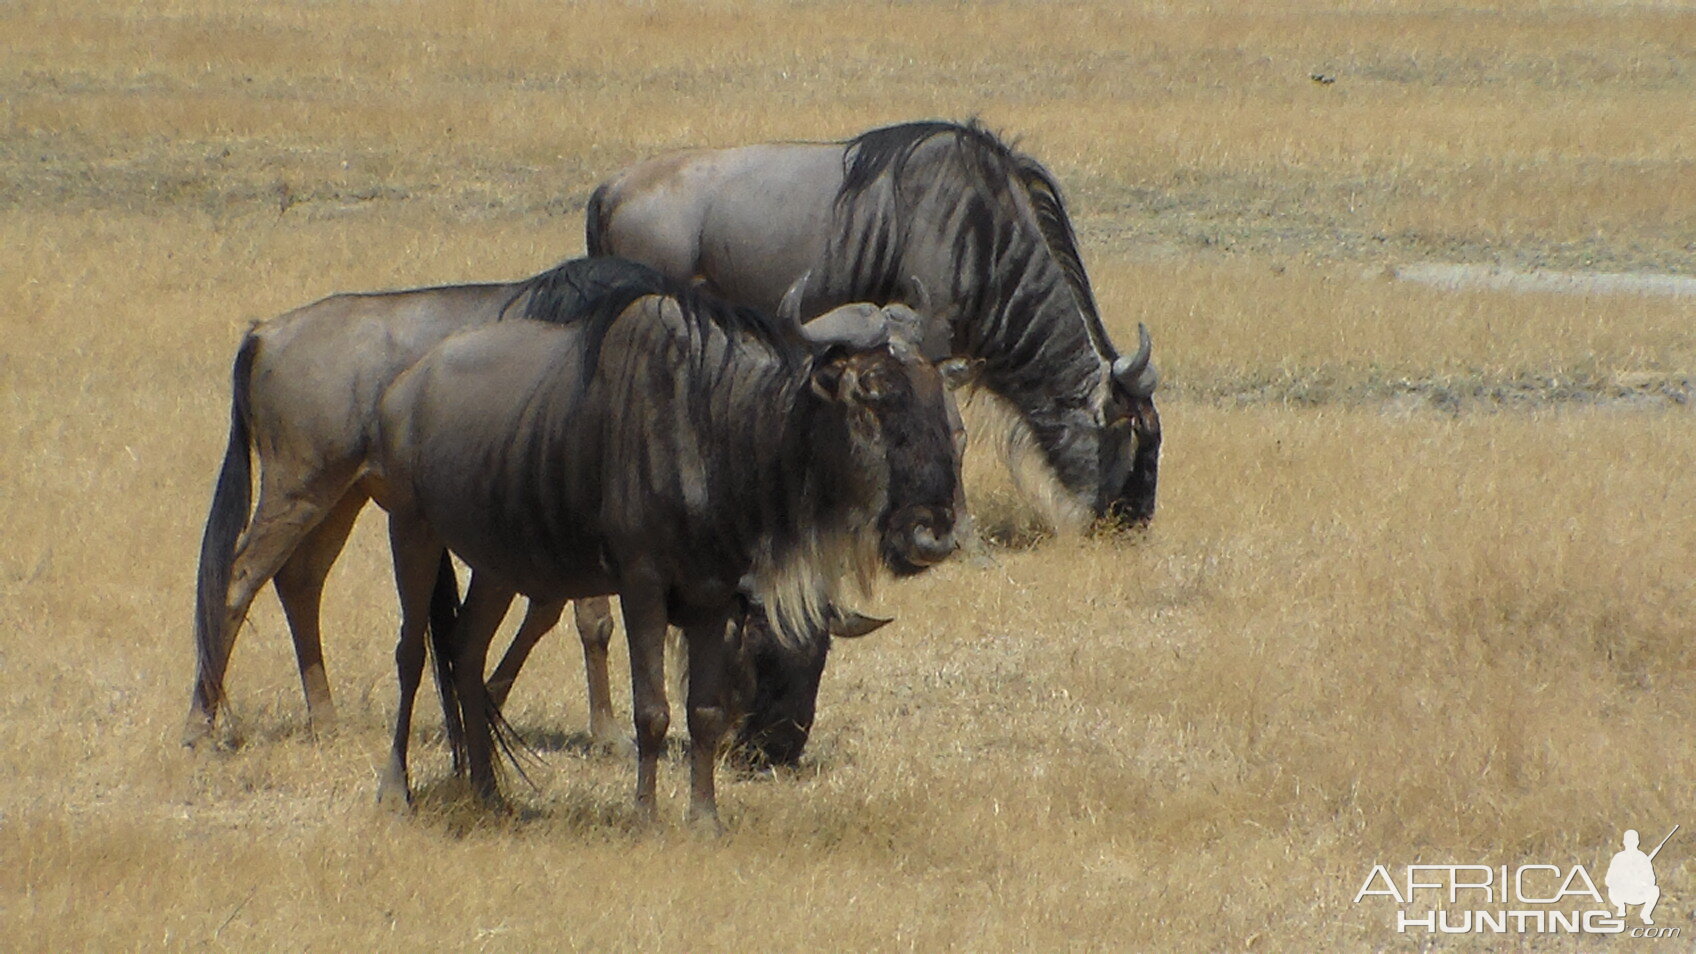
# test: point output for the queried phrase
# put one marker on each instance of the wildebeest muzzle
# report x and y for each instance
(919, 537)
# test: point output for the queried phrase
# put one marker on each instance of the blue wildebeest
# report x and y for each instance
(684, 454)
(949, 219)
(890, 215)
(305, 392)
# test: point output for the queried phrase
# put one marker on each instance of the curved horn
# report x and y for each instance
(904, 323)
(848, 624)
(859, 326)
(1133, 371)
(921, 297)
(789, 309)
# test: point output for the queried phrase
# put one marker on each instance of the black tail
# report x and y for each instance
(595, 223)
(444, 615)
(231, 501)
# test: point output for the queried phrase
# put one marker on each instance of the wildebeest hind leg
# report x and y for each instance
(300, 588)
(279, 523)
(539, 617)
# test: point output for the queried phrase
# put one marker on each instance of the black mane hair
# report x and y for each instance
(993, 168)
(595, 291)
(579, 287)
(887, 150)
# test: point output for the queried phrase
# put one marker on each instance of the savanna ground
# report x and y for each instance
(1418, 589)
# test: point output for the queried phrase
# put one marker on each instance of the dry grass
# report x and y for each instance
(1417, 589)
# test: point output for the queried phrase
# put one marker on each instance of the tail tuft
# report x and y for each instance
(445, 607)
(444, 616)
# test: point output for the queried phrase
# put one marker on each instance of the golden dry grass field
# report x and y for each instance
(1419, 589)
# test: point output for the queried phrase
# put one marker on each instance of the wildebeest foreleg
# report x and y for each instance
(416, 558)
(708, 719)
(539, 617)
(300, 588)
(486, 604)
(644, 628)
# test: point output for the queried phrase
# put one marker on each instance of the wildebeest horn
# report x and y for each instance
(1134, 372)
(921, 297)
(904, 323)
(789, 309)
(847, 624)
(860, 326)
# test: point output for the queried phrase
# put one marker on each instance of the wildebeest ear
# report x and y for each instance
(960, 372)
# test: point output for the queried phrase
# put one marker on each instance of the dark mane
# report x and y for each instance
(1056, 226)
(886, 151)
(574, 290)
(993, 168)
(955, 206)
(596, 291)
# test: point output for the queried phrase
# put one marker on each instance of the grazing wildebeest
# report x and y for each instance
(938, 206)
(887, 216)
(679, 454)
(305, 392)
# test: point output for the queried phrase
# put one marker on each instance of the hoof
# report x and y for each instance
(202, 736)
(613, 743)
(705, 824)
(197, 733)
(394, 798)
(323, 722)
(488, 798)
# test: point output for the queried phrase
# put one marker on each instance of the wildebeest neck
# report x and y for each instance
(752, 472)
(985, 230)
(1034, 340)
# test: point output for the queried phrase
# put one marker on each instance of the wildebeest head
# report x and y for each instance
(898, 426)
(774, 686)
(1130, 439)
